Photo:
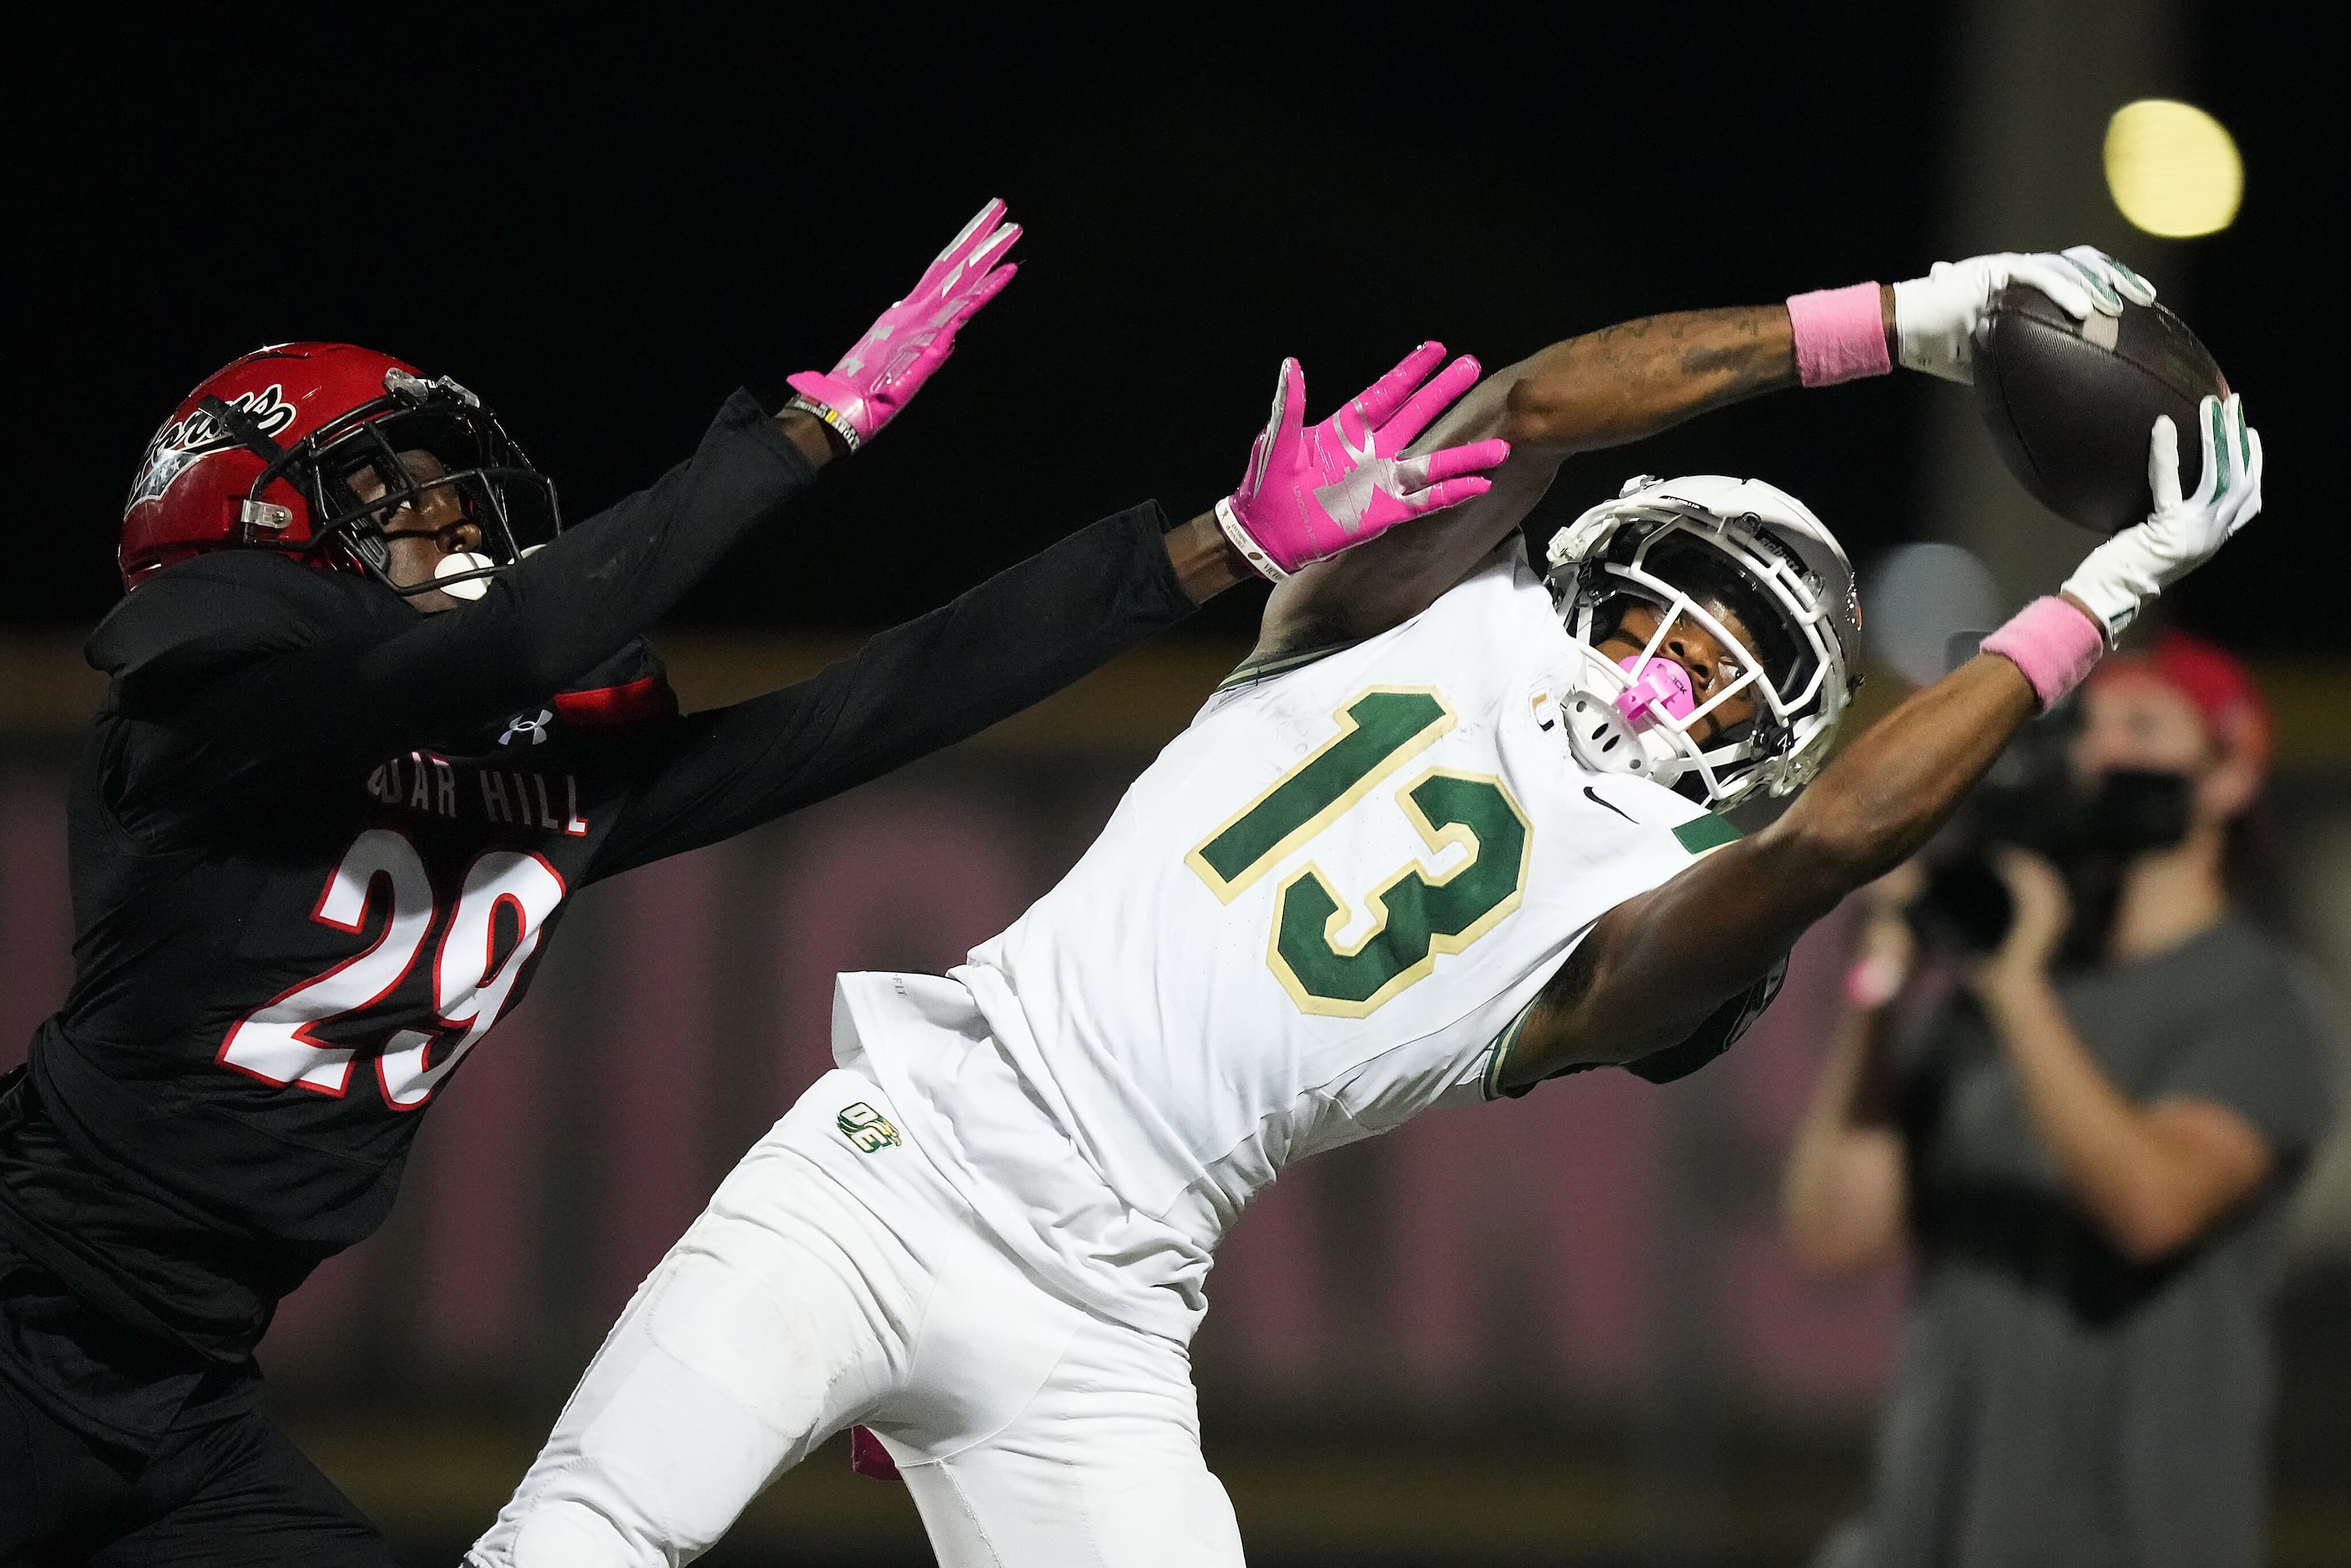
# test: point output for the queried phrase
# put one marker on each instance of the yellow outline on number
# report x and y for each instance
(1435, 838)
(1226, 891)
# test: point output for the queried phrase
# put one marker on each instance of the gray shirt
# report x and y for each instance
(2055, 1403)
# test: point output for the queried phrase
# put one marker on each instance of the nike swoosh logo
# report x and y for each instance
(1593, 796)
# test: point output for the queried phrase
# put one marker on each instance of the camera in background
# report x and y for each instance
(2031, 800)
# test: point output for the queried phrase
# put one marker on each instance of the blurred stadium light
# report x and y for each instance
(2172, 169)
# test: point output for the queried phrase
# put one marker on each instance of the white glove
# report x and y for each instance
(1936, 316)
(2122, 575)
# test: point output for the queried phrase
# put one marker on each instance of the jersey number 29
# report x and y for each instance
(275, 1043)
(1414, 916)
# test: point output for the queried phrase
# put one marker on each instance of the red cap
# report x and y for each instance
(2219, 683)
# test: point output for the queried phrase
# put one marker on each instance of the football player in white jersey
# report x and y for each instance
(1451, 832)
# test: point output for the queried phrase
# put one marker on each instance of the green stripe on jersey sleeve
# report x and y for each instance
(1252, 669)
(1497, 1054)
(1705, 832)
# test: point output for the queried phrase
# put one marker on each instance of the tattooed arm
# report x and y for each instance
(1603, 389)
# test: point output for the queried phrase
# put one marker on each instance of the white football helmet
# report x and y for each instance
(1695, 548)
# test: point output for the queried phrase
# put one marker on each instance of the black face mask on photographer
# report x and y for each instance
(2033, 801)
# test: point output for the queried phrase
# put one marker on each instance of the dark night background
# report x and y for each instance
(603, 224)
(603, 230)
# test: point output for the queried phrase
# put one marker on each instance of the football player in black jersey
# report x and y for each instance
(374, 716)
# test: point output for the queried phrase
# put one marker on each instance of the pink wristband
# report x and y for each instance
(1840, 334)
(2052, 643)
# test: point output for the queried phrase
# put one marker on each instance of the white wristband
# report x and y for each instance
(1250, 550)
(833, 420)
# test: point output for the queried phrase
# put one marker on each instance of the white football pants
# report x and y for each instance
(826, 1286)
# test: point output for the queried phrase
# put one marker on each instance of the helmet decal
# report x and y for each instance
(181, 442)
(265, 452)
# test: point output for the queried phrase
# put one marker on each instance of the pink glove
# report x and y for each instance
(1310, 494)
(912, 338)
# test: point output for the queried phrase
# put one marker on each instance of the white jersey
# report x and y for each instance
(1313, 916)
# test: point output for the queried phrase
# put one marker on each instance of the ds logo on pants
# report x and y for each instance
(866, 1128)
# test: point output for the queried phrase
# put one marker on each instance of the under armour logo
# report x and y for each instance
(534, 727)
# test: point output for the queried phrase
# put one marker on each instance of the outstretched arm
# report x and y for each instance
(1603, 389)
(245, 687)
(1634, 379)
(1624, 382)
(1011, 641)
(1030, 631)
(1655, 967)
(545, 620)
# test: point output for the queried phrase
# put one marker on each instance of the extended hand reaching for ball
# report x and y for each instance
(1936, 316)
(888, 366)
(2122, 575)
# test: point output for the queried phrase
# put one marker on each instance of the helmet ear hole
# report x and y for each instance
(1601, 739)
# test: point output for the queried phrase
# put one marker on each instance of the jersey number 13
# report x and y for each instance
(1414, 916)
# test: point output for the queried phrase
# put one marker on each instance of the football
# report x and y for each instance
(2070, 404)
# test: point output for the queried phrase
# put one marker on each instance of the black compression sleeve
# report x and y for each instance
(344, 704)
(1019, 637)
(583, 597)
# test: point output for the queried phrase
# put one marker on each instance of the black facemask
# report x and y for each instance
(2136, 810)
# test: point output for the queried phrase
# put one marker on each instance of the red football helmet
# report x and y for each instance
(262, 454)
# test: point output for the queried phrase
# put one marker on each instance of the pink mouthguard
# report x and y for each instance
(1660, 686)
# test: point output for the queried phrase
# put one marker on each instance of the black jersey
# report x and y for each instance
(319, 843)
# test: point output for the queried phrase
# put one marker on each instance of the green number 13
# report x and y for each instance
(1414, 917)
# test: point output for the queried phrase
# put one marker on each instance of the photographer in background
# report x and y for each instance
(2092, 1158)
